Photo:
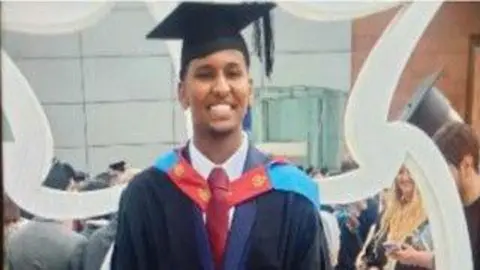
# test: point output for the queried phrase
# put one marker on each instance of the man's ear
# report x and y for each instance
(467, 162)
(182, 95)
(466, 167)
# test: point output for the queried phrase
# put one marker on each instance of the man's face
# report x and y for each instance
(455, 174)
(115, 175)
(217, 89)
(463, 173)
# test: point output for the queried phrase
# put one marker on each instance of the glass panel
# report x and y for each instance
(303, 114)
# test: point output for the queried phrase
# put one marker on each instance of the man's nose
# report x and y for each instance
(221, 86)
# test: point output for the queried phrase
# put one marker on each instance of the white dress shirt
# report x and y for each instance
(233, 166)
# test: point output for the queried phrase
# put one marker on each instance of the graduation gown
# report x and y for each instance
(276, 223)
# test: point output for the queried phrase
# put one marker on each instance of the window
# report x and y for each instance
(311, 115)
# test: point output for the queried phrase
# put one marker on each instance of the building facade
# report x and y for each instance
(110, 94)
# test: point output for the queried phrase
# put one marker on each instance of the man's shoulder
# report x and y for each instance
(146, 178)
(157, 170)
(149, 182)
(288, 178)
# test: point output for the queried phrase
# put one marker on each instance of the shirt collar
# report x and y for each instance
(233, 166)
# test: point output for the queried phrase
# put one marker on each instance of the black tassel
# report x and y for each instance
(263, 43)
(269, 45)
(257, 39)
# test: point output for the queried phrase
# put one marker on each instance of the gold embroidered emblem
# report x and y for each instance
(204, 194)
(258, 181)
(178, 170)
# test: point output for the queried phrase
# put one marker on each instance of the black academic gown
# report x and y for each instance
(160, 227)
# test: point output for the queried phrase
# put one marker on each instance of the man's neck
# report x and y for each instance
(471, 193)
(218, 149)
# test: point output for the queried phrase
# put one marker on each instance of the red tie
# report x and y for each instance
(217, 214)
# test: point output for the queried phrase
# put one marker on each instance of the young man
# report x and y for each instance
(461, 147)
(218, 202)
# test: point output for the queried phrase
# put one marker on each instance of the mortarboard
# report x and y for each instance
(209, 27)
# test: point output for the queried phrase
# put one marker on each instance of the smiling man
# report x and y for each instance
(218, 202)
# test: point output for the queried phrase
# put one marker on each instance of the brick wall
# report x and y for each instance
(445, 43)
(476, 90)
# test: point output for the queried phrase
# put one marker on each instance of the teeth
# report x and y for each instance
(220, 109)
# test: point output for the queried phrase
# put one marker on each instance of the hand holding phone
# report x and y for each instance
(391, 247)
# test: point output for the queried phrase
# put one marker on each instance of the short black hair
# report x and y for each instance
(118, 166)
(310, 170)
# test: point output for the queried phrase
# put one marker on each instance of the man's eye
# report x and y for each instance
(234, 74)
(204, 75)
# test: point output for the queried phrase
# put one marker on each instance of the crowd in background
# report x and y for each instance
(38, 243)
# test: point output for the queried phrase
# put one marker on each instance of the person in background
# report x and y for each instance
(355, 221)
(97, 250)
(117, 168)
(460, 146)
(310, 170)
(11, 216)
(78, 179)
(105, 177)
(403, 226)
(332, 233)
(91, 225)
(12, 221)
(324, 171)
(46, 244)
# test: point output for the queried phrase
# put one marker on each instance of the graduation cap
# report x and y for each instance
(429, 109)
(209, 27)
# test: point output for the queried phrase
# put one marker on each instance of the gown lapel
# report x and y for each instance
(201, 237)
(243, 220)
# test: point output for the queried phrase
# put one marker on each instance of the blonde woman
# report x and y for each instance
(401, 230)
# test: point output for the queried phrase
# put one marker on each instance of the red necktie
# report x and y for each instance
(217, 214)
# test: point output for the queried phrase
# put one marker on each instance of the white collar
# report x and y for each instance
(233, 166)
